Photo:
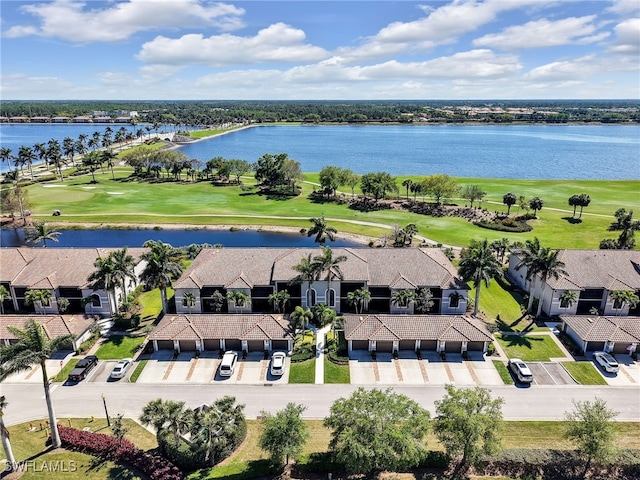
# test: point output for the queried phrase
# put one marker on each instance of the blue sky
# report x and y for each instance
(296, 50)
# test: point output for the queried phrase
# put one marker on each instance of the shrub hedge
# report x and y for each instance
(123, 451)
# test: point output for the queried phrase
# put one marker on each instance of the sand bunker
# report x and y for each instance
(115, 193)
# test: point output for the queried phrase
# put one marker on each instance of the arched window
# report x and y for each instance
(331, 297)
(311, 297)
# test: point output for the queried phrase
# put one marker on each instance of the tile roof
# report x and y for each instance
(415, 327)
(226, 326)
(52, 267)
(247, 267)
(609, 269)
(54, 325)
(604, 329)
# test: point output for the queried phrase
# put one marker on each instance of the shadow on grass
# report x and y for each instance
(252, 469)
(521, 341)
(513, 326)
(116, 339)
(572, 220)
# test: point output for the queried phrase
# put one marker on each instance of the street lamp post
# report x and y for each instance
(106, 412)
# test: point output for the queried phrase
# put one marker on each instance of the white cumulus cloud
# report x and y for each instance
(279, 43)
(627, 37)
(78, 22)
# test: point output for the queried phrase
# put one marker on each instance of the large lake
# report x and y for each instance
(500, 151)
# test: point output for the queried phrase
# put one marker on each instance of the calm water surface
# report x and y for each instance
(175, 237)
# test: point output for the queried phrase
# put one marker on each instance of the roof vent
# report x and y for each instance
(590, 320)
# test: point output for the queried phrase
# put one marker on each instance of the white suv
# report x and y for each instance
(607, 362)
(228, 363)
(520, 370)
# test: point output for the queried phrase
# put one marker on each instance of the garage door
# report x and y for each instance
(384, 346)
(255, 345)
(280, 345)
(360, 344)
(407, 345)
(165, 344)
(621, 348)
(187, 345)
(233, 345)
(453, 347)
(595, 346)
(475, 346)
(212, 345)
(429, 345)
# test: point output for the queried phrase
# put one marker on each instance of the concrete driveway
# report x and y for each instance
(34, 375)
(550, 373)
(629, 373)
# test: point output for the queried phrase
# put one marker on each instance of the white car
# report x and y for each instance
(607, 362)
(228, 363)
(121, 368)
(278, 363)
(520, 370)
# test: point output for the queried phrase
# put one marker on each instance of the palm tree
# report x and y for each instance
(323, 314)
(69, 148)
(162, 267)
(330, 264)
(279, 300)
(167, 416)
(4, 433)
(33, 348)
(407, 184)
(583, 201)
(624, 297)
(509, 199)
(359, 299)
(301, 316)
(40, 150)
(123, 268)
(4, 295)
(321, 230)
(189, 300)
(628, 226)
(6, 156)
(402, 298)
(40, 233)
(103, 277)
(37, 297)
(536, 204)
(478, 264)
(239, 299)
(500, 247)
(541, 262)
(307, 271)
(27, 156)
(54, 156)
(92, 161)
(107, 156)
(568, 298)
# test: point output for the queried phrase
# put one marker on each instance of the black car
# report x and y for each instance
(83, 367)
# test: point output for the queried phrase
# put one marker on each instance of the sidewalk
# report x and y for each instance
(320, 335)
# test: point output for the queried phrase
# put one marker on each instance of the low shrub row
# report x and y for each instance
(120, 451)
(507, 225)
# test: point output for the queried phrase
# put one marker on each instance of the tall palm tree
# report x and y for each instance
(69, 149)
(107, 156)
(323, 314)
(542, 263)
(402, 298)
(478, 264)
(301, 316)
(279, 300)
(4, 295)
(39, 232)
(326, 262)
(6, 439)
(40, 150)
(27, 156)
(92, 161)
(6, 156)
(501, 246)
(359, 299)
(624, 297)
(104, 277)
(307, 271)
(321, 230)
(238, 298)
(33, 348)
(407, 184)
(37, 297)
(163, 266)
(54, 155)
(123, 268)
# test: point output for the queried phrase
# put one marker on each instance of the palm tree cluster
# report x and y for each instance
(163, 265)
(116, 270)
(579, 200)
(209, 433)
(39, 232)
(627, 226)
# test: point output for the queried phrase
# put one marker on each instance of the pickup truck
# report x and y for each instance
(83, 367)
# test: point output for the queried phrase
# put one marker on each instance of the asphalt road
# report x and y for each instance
(538, 402)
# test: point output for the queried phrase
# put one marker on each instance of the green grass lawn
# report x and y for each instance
(151, 302)
(530, 348)
(303, 372)
(119, 346)
(496, 302)
(137, 371)
(128, 202)
(584, 373)
(334, 373)
(503, 371)
(30, 445)
(66, 370)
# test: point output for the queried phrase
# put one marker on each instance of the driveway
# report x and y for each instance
(34, 375)
(629, 373)
(550, 373)
(431, 370)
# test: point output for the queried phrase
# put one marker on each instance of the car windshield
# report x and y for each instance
(609, 359)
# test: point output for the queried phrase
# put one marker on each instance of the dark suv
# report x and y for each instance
(83, 367)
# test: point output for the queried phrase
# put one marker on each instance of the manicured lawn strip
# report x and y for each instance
(334, 373)
(138, 370)
(303, 372)
(151, 302)
(82, 202)
(208, 133)
(503, 371)
(584, 373)
(66, 370)
(496, 301)
(530, 348)
(119, 346)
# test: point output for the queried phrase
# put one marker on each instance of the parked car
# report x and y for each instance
(607, 362)
(278, 363)
(228, 363)
(121, 368)
(520, 370)
(83, 367)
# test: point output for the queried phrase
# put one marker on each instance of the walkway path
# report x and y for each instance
(320, 336)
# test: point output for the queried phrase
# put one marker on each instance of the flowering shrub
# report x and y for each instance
(123, 451)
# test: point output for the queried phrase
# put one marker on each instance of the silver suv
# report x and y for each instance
(520, 370)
